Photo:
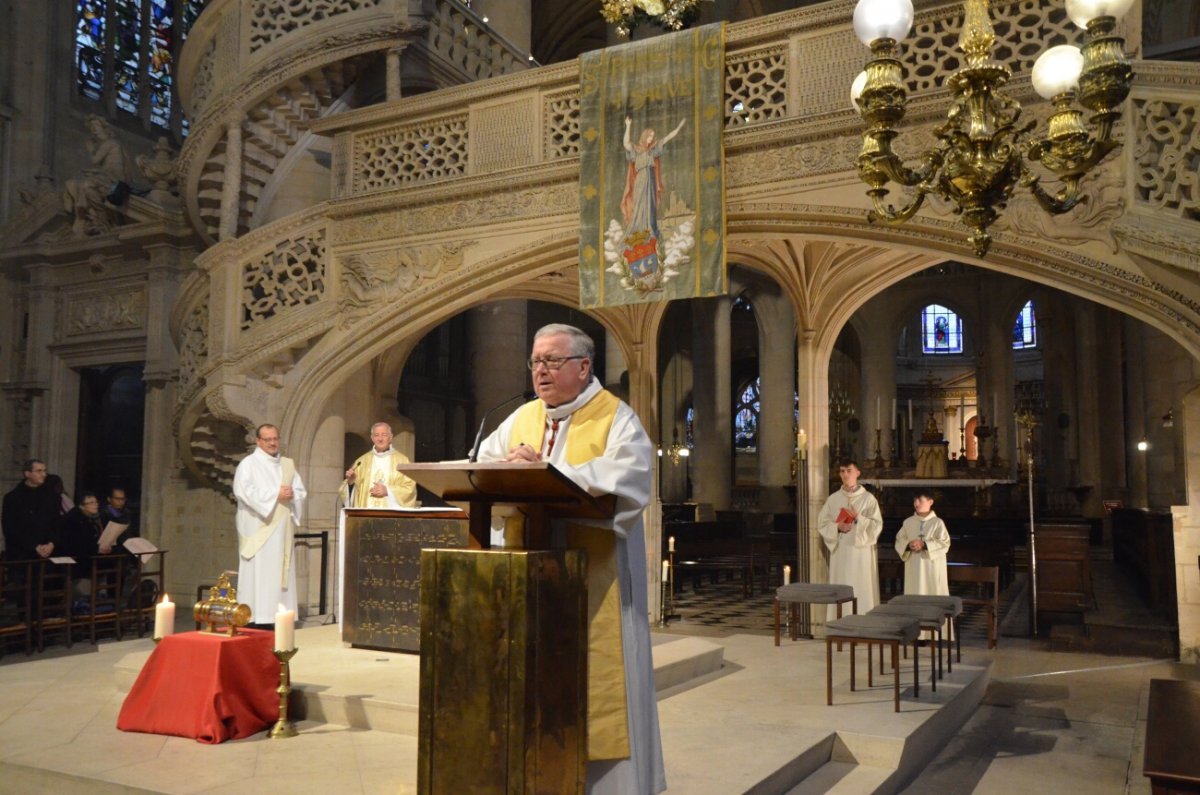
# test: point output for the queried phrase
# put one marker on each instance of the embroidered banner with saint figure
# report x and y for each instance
(651, 172)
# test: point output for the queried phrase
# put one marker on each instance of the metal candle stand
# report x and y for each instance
(284, 727)
(668, 597)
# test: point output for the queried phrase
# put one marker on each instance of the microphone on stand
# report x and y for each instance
(474, 456)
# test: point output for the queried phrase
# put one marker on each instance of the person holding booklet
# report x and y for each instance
(923, 543)
(849, 524)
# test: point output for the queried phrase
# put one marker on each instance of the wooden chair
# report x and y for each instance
(138, 608)
(16, 602)
(105, 607)
(54, 598)
(890, 631)
(979, 577)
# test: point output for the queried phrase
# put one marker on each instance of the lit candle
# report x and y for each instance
(164, 617)
(285, 629)
(671, 544)
(666, 576)
(893, 414)
(802, 443)
(787, 574)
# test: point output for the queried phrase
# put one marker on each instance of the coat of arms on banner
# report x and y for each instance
(651, 179)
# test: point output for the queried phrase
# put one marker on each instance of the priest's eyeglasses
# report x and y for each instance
(551, 362)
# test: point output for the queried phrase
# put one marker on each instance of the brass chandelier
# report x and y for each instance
(983, 152)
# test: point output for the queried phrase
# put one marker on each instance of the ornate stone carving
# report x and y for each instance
(193, 347)
(560, 125)
(94, 313)
(162, 171)
(533, 202)
(403, 154)
(501, 135)
(292, 274)
(272, 19)
(1166, 149)
(85, 194)
(374, 277)
(756, 86)
(202, 82)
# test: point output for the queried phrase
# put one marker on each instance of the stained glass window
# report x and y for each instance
(125, 55)
(941, 330)
(745, 418)
(1025, 329)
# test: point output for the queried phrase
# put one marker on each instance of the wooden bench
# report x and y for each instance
(891, 631)
(979, 577)
(1172, 725)
(803, 593)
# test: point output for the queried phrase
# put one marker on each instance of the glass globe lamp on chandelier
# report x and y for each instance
(983, 152)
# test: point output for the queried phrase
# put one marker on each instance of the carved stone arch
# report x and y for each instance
(1113, 282)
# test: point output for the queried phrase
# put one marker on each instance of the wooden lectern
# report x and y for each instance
(503, 706)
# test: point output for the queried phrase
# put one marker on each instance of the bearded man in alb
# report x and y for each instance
(373, 482)
(270, 504)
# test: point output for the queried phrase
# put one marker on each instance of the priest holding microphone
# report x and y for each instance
(597, 441)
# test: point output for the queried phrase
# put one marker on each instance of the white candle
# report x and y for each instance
(893, 414)
(285, 629)
(671, 544)
(666, 575)
(787, 574)
(802, 443)
(164, 617)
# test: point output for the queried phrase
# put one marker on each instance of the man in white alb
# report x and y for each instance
(850, 523)
(270, 504)
(596, 440)
(373, 482)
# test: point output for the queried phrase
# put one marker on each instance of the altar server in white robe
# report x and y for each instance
(850, 523)
(270, 504)
(923, 544)
(596, 440)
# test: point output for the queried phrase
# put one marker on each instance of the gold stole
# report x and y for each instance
(587, 438)
(249, 545)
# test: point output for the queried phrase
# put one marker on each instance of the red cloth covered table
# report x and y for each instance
(210, 687)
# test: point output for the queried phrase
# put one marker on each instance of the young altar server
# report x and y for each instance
(922, 544)
(849, 524)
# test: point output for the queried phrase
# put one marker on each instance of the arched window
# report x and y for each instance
(941, 330)
(125, 56)
(1025, 329)
(745, 418)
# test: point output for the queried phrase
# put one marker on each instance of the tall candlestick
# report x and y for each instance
(893, 414)
(164, 617)
(285, 629)
(787, 574)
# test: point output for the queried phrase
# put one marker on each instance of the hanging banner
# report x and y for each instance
(651, 172)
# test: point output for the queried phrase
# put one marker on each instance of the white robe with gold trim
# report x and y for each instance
(260, 579)
(624, 470)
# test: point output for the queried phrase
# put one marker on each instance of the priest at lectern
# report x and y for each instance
(373, 482)
(596, 440)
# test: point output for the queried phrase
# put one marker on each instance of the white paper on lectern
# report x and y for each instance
(112, 531)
